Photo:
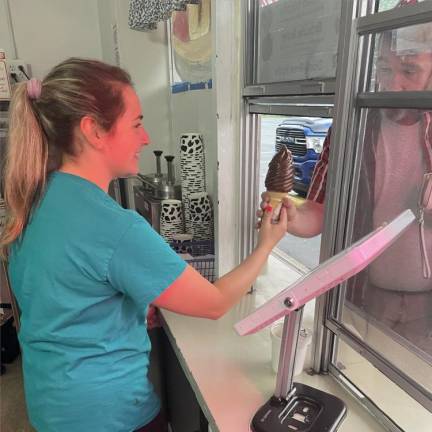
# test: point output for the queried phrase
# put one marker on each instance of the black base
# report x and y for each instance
(308, 410)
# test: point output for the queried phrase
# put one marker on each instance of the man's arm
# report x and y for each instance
(306, 220)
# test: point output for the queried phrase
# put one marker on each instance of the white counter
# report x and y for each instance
(232, 375)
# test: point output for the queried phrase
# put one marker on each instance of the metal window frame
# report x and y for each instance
(254, 88)
(308, 106)
(250, 153)
(369, 404)
(250, 42)
(408, 99)
(249, 175)
(350, 111)
(354, 66)
(334, 204)
(395, 18)
(419, 393)
(300, 87)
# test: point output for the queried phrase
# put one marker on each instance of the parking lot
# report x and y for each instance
(306, 251)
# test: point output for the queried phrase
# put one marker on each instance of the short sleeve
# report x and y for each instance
(143, 265)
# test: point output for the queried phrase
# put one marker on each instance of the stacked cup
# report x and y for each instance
(201, 215)
(192, 164)
(171, 218)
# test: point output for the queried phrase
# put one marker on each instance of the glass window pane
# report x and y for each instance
(402, 59)
(384, 5)
(398, 405)
(389, 305)
(304, 137)
(297, 39)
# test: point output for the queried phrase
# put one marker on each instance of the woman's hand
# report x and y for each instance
(270, 232)
(288, 203)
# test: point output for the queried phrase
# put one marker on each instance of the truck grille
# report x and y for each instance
(293, 139)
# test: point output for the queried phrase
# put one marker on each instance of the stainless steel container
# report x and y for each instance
(155, 188)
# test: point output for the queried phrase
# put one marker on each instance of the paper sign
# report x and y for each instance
(5, 90)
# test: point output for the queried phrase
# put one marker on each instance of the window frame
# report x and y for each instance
(351, 102)
(285, 88)
(354, 65)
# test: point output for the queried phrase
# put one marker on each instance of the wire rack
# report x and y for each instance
(202, 253)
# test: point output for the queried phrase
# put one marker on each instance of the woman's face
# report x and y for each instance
(126, 138)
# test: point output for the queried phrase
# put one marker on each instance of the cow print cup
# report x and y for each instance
(171, 218)
(192, 164)
(201, 214)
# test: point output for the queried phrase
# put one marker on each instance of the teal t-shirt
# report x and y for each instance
(84, 273)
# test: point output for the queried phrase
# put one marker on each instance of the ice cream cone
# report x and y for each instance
(276, 198)
(276, 203)
(279, 179)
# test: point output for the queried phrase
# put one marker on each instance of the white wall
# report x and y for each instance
(49, 31)
(6, 40)
(216, 115)
(145, 56)
(107, 22)
(195, 111)
(227, 83)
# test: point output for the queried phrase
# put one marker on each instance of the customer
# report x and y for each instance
(83, 269)
(397, 288)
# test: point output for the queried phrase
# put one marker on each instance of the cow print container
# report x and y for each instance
(192, 165)
(171, 219)
(201, 214)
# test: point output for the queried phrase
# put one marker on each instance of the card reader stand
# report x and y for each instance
(298, 407)
(308, 410)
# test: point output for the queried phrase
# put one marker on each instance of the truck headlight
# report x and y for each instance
(315, 143)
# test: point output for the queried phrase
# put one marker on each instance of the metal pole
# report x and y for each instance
(291, 330)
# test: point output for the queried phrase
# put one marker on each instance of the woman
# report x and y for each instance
(83, 269)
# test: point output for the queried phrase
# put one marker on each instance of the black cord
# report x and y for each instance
(21, 68)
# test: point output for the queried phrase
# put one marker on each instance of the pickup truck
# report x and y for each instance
(304, 137)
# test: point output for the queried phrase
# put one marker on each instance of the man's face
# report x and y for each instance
(410, 72)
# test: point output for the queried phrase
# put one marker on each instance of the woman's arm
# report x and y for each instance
(191, 294)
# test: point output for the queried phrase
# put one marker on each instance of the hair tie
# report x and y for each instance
(34, 88)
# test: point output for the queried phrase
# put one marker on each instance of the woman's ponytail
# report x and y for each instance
(26, 165)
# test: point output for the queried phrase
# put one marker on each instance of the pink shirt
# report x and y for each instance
(399, 175)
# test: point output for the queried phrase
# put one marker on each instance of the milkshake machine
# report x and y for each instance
(154, 188)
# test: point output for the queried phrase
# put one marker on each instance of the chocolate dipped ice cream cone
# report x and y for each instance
(280, 178)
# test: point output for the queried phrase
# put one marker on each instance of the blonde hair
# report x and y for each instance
(41, 131)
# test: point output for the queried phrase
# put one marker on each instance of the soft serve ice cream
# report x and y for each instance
(280, 178)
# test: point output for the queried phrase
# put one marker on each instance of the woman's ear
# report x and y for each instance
(92, 132)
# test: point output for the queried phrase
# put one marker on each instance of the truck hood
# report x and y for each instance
(315, 124)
